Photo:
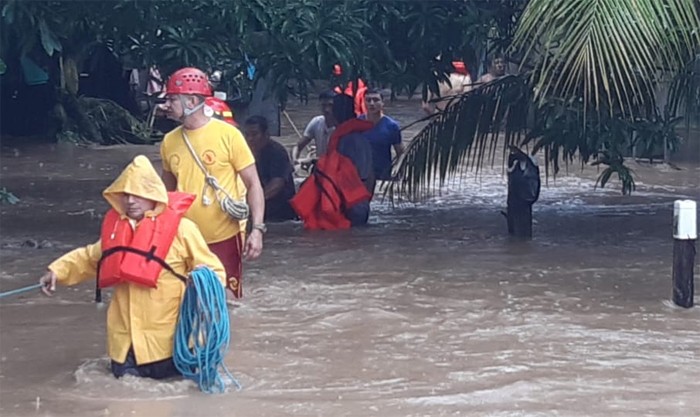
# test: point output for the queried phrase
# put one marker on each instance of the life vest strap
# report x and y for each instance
(325, 176)
(149, 255)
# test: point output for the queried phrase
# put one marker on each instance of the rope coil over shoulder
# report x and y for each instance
(202, 334)
(237, 209)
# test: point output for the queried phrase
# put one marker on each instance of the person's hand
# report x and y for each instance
(253, 245)
(48, 283)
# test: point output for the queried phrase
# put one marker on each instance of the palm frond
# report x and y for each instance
(606, 51)
(464, 136)
(684, 92)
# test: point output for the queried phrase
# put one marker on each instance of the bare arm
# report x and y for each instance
(72, 268)
(169, 180)
(303, 142)
(399, 149)
(427, 106)
(274, 187)
(398, 143)
(256, 201)
(486, 78)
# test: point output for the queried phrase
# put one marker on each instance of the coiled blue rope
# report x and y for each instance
(202, 335)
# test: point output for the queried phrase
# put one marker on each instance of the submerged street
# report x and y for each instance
(429, 311)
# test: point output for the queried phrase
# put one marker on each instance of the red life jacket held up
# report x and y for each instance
(152, 237)
(334, 186)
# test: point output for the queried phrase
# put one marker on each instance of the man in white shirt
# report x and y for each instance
(460, 82)
(319, 128)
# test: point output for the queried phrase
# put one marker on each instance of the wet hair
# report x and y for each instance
(373, 90)
(327, 95)
(259, 121)
(496, 56)
(343, 108)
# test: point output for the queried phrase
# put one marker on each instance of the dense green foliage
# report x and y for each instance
(294, 42)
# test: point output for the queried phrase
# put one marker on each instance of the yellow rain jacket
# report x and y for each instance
(141, 317)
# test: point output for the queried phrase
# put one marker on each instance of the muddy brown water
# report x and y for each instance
(429, 311)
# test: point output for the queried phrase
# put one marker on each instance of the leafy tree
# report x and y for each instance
(292, 43)
(590, 68)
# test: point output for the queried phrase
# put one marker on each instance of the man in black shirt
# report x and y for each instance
(274, 169)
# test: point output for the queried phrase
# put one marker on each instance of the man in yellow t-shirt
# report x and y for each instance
(226, 156)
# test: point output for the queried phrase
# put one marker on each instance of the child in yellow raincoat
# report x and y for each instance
(144, 227)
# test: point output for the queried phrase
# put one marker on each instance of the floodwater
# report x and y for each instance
(430, 311)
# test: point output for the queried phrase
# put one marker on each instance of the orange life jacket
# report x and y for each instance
(359, 96)
(138, 256)
(334, 186)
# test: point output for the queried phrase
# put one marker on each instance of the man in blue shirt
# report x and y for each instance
(383, 136)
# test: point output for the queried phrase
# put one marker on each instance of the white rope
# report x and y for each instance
(238, 210)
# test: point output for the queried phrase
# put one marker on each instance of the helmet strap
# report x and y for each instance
(188, 112)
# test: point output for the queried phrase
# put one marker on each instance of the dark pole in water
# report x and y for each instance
(519, 216)
(523, 192)
(684, 236)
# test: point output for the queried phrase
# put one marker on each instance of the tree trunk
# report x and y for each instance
(68, 105)
(70, 76)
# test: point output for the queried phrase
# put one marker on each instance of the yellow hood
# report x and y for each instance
(139, 178)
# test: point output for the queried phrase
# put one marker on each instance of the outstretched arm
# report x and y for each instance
(303, 142)
(72, 268)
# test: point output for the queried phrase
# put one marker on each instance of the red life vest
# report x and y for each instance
(460, 67)
(334, 186)
(138, 256)
(221, 110)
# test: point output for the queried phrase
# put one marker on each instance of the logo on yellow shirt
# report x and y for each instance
(209, 157)
(174, 162)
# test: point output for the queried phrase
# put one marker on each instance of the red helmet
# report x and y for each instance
(337, 70)
(188, 81)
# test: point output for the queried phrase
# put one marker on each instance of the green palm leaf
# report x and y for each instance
(596, 64)
(608, 52)
(464, 136)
